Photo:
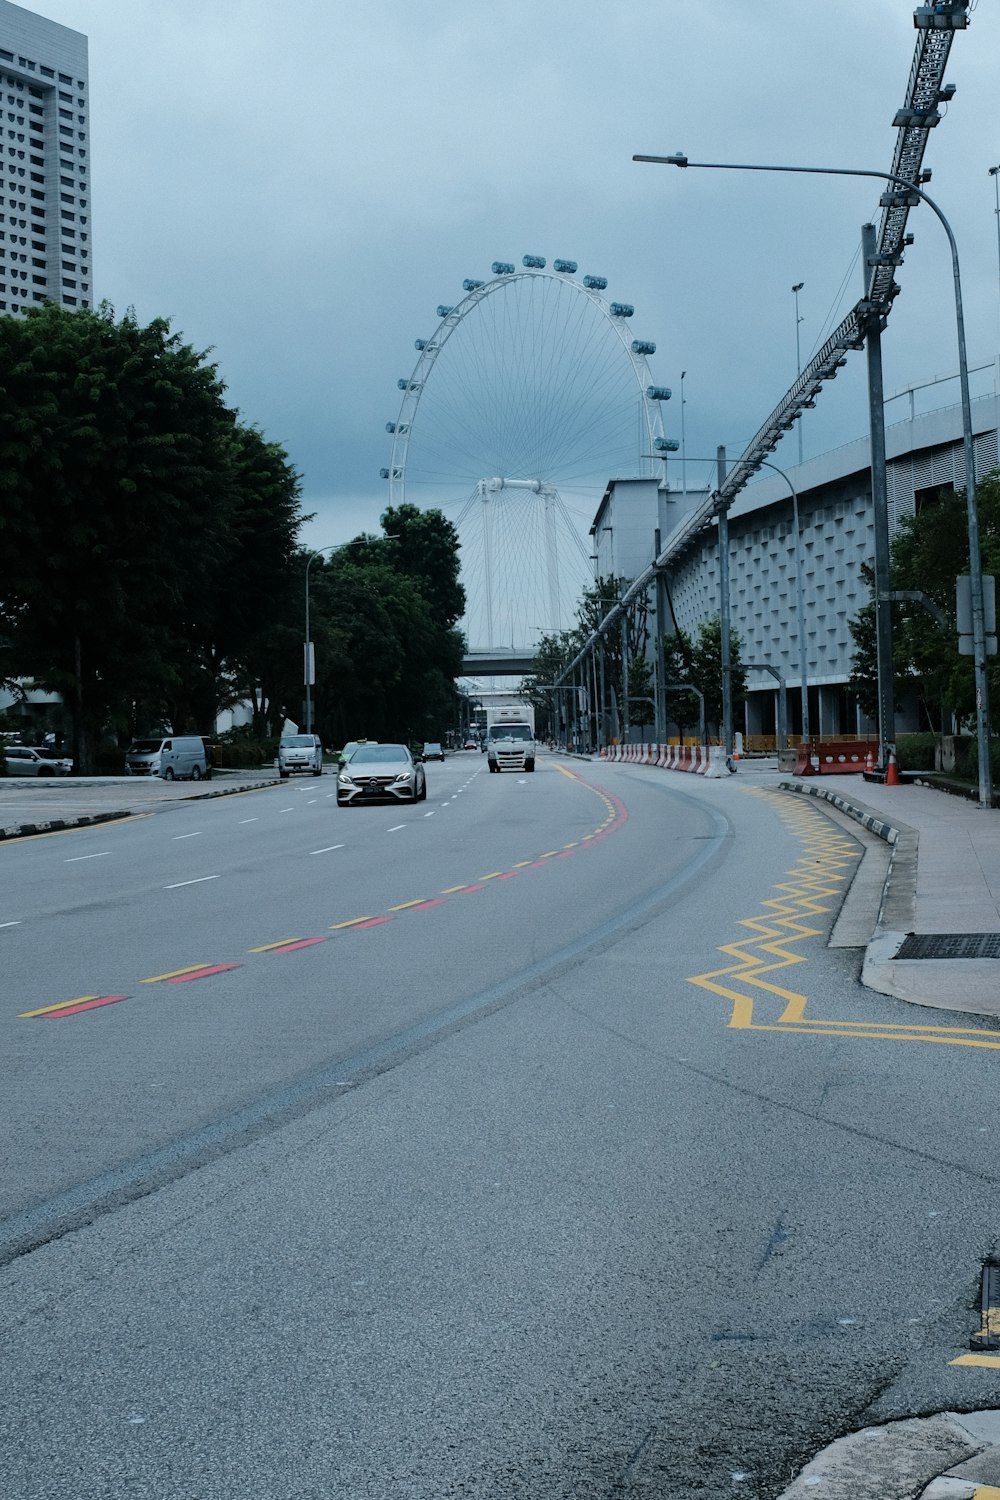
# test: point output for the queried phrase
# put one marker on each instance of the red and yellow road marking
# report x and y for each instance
(72, 1007)
(616, 815)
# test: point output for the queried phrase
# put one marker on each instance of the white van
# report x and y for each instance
(174, 757)
(299, 752)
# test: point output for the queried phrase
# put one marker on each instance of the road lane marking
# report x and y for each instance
(178, 836)
(429, 814)
(286, 809)
(249, 820)
(77, 857)
(174, 973)
(204, 973)
(291, 945)
(327, 850)
(814, 889)
(72, 1007)
(395, 828)
(617, 815)
(178, 883)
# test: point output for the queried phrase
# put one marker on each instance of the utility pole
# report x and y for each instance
(880, 512)
(727, 686)
(798, 354)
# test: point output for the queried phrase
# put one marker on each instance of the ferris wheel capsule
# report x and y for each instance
(533, 262)
(658, 392)
(595, 283)
(444, 312)
(643, 346)
(622, 310)
(468, 285)
(666, 445)
(568, 267)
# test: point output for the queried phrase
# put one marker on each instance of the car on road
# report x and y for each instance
(36, 760)
(471, 744)
(299, 752)
(433, 750)
(381, 771)
(344, 755)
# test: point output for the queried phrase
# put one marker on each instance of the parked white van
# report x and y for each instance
(174, 757)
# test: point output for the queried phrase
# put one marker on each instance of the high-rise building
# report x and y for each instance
(45, 224)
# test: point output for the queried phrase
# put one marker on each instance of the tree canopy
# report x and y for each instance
(152, 573)
(146, 533)
(929, 551)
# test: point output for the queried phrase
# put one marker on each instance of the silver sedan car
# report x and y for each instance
(36, 760)
(381, 771)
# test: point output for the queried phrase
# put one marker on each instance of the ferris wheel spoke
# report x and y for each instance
(529, 380)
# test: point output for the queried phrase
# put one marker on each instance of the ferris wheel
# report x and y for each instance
(529, 395)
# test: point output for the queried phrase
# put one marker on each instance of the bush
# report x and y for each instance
(246, 754)
(915, 752)
(968, 766)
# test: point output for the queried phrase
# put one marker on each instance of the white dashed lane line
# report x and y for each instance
(200, 880)
(329, 848)
(395, 828)
(77, 857)
(249, 820)
(178, 836)
(11, 924)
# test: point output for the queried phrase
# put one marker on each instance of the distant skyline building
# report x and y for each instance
(46, 247)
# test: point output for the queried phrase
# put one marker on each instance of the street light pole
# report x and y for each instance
(799, 598)
(995, 174)
(975, 555)
(684, 482)
(796, 289)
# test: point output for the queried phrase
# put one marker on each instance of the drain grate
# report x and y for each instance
(988, 1336)
(951, 945)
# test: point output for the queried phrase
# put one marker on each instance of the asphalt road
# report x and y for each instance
(527, 1142)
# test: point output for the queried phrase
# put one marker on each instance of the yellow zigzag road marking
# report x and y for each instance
(806, 893)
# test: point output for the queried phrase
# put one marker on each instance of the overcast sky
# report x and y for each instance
(299, 185)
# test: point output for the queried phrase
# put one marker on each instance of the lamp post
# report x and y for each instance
(309, 656)
(995, 174)
(796, 289)
(684, 482)
(975, 556)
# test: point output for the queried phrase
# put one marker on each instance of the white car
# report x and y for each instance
(32, 760)
(386, 771)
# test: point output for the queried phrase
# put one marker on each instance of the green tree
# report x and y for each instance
(388, 650)
(698, 661)
(127, 505)
(928, 552)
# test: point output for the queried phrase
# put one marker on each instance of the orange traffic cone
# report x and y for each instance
(891, 770)
(869, 761)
